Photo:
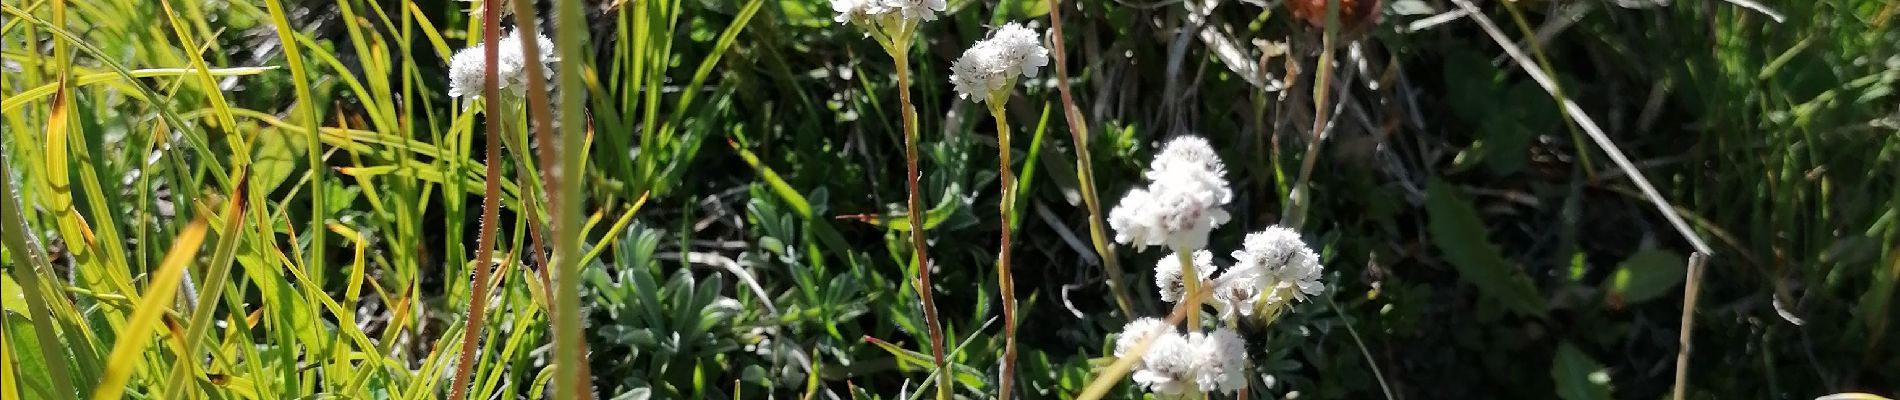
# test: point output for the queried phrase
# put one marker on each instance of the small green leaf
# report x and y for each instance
(1578, 377)
(1024, 9)
(273, 158)
(1458, 232)
(25, 349)
(1645, 276)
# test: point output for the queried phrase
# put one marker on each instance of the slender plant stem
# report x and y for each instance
(1005, 280)
(32, 271)
(900, 55)
(543, 116)
(491, 201)
(1321, 83)
(1192, 279)
(570, 346)
(1689, 291)
(1079, 130)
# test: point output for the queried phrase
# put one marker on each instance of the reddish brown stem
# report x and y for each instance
(491, 202)
(916, 205)
(1079, 130)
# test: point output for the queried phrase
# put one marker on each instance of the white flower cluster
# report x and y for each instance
(1168, 274)
(1176, 365)
(992, 64)
(1177, 209)
(465, 68)
(1273, 268)
(873, 12)
(1182, 202)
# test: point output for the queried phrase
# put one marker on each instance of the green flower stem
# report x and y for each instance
(570, 346)
(1192, 279)
(898, 47)
(1005, 280)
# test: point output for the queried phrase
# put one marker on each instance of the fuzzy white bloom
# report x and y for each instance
(465, 72)
(1168, 274)
(1273, 267)
(1182, 201)
(991, 65)
(1168, 367)
(465, 68)
(1176, 365)
(1135, 330)
(1236, 291)
(1188, 152)
(1177, 209)
(871, 12)
(1220, 360)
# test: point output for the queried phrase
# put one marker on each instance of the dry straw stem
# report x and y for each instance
(1079, 130)
(1689, 291)
(1296, 208)
(1113, 374)
(1589, 127)
(1005, 280)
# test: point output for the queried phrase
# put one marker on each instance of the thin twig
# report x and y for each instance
(1079, 130)
(1589, 126)
(1689, 290)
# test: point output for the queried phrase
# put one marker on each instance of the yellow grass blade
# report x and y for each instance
(157, 298)
(34, 94)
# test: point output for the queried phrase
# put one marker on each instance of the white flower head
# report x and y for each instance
(1182, 202)
(511, 64)
(1168, 274)
(1273, 267)
(1236, 291)
(1133, 332)
(1220, 360)
(991, 65)
(887, 14)
(1168, 367)
(1188, 152)
(465, 72)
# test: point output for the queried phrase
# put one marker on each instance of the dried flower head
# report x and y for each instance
(991, 65)
(1354, 15)
(1168, 274)
(466, 66)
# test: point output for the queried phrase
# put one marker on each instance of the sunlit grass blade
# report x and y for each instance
(30, 267)
(145, 317)
(220, 271)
